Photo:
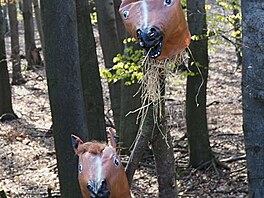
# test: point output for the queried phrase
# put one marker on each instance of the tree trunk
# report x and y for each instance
(5, 88)
(165, 164)
(163, 151)
(121, 30)
(253, 93)
(197, 129)
(65, 89)
(237, 25)
(110, 45)
(91, 81)
(17, 77)
(141, 144)
(128, 121)
(5, 15)
(38, 21)
(128, 126)
(29, 31)
(154, 130)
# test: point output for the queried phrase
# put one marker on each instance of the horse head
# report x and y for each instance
(100, 171)
(158, 25)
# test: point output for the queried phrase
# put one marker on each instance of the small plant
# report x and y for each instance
(127, 66)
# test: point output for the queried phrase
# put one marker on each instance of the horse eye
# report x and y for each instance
(80, 168)
(125, 14)
(168, 2)
(116, 161)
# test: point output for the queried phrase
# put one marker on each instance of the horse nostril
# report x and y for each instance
(148, 37)
(138, 33)
(153, 31)
(98, 189)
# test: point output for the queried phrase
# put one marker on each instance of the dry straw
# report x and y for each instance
(153, 84)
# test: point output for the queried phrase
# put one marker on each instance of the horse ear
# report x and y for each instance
(111, 136)
(76, 141)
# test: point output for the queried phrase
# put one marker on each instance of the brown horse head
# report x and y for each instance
(101, 173)
(158, 25)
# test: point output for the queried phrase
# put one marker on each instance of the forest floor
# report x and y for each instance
(28, 162)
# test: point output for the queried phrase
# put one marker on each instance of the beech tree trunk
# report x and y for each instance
(197, 129)
(38, 21)
(5, 88)
(65, 88)
(253, 93)
(17, 77)
(91, 81)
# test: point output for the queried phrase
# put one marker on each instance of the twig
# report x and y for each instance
(233, 159)
(238, 170)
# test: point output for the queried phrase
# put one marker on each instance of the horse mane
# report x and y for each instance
(93, 147)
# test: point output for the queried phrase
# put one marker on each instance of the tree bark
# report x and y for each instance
(38, 21)
(253, 93)
(121, 30)
(197, 129)
(5, 14)
(237, 26)
(110, 46)
(154, 130)
(128, 126)
(28, 31)
(5, 88)
(141, 144)
(165, 164)
(17, 77)
(128, 121)
(163, 150)
(91, 81)
(64, 85)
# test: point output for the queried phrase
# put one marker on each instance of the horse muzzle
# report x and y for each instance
(150, 39)
(98, 189)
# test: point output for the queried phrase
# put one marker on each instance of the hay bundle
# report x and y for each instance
(153, 85)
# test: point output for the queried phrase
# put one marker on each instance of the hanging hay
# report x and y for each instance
(153, 85)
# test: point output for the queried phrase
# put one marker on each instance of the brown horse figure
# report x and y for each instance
(158, 25)
(101, 173)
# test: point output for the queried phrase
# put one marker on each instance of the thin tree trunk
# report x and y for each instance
(5, 88)
(65, 89)
(128, 121)
(91, 81)
(253, 93)
(121, 30)
(141, 144)
(154, 130)
(165, 164)
(163, 151)
(5, 15)
(29, 31)
(110, 46)
(197, 129)
(38, 21)
(17, 77)
(237, 25)
(128, 126)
